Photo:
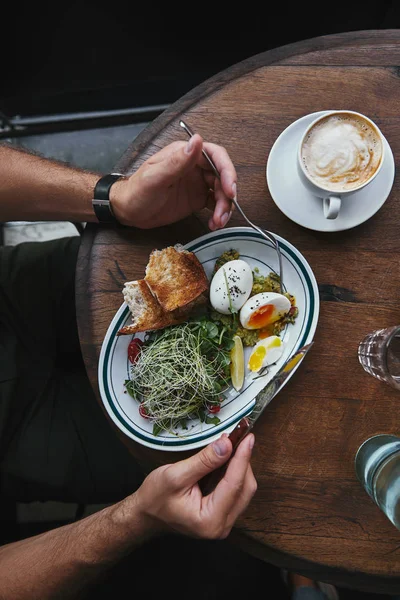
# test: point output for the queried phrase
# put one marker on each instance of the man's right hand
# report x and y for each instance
(170, 498)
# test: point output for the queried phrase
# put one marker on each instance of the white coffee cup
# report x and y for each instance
(339, 153)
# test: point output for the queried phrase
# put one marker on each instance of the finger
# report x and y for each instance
(210, 203)
(175, 163)
(192, 469)
(223, 207)
(209, 178)
(227, 171)
(249, 489)
(164, 152)
(230, 488)
(212, 181)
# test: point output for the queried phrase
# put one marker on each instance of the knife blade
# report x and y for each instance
(246, 424)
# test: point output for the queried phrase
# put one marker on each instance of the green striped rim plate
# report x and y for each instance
(113, 368)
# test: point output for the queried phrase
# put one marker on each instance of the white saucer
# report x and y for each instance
(302, 207)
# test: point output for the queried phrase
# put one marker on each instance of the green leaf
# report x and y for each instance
(157, 429)
(212, 330)
(207, 346)
(227, 343)
(129, 387)
(225, 360)
(212, 420)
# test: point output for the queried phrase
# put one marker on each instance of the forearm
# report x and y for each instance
(64, 562)
(33, 188)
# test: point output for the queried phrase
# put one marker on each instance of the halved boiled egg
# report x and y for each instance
(265, 352)
(263, 309)
(231, 286)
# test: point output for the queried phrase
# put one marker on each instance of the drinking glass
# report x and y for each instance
(379, 354)
(377, 466)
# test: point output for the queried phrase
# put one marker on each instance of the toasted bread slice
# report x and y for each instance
(176, 277)
(193, 308)
(146, 312)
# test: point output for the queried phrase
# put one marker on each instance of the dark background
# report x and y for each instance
(86, 56)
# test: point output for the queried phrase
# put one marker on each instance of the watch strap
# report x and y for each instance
(101, 198)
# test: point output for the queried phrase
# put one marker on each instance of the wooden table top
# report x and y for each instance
(309, 514)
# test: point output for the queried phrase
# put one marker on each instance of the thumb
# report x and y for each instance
(178, 163)
(192, 469)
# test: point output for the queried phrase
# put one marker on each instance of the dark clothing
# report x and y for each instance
(55, 441)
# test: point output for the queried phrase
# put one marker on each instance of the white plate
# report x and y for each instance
(300, 205)
(114, 366)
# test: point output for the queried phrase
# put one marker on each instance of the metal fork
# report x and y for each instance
(262, 232)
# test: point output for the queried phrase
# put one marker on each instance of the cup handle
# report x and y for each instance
(331, 207)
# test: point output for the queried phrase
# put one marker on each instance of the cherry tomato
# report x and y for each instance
(134, 349)
(143, 412)
(214, 408)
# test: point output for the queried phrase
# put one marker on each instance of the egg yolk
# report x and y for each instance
(256, 359)
(262, 316)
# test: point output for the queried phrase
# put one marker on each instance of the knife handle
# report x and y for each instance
(210, 482)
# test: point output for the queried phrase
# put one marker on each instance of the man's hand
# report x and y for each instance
(174, 183)
(170, 497)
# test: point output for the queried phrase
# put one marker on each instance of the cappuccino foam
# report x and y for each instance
(341, 152)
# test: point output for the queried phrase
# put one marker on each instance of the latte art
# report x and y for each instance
(341, 152)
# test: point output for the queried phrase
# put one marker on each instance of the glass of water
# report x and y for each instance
(377, 465)
(379, 354)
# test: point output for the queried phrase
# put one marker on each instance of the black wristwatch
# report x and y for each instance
(101, 200)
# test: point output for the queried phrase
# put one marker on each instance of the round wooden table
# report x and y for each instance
(309, 514)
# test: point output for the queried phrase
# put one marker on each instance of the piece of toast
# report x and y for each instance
(147, 314)
(176, 277)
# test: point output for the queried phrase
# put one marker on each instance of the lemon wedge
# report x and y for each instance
(237, 363)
